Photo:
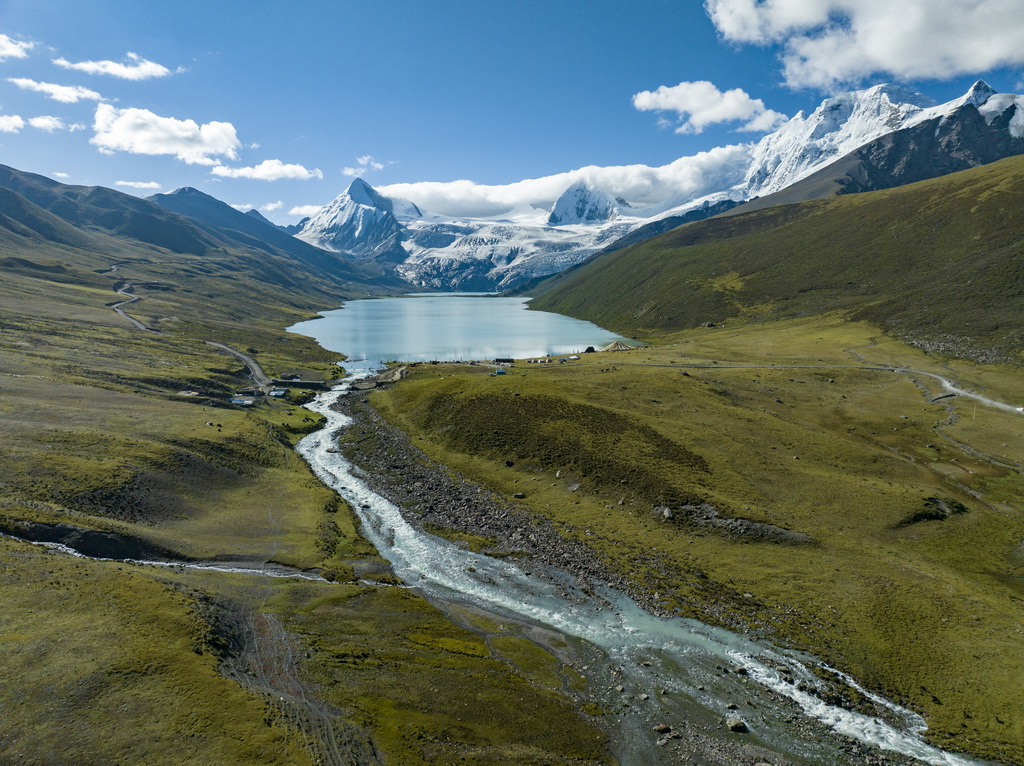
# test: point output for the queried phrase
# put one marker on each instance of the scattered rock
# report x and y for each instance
(736, 725)
(663, 728)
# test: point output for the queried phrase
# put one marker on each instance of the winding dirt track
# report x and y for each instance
(259, 377)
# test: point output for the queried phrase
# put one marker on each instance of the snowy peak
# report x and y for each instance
(979, 93)
(838, 126)
(581, 203)
(362, 193)
(357, 222)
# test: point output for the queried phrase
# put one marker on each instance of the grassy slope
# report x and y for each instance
(109, 662)
(929, 613)
(936, 262)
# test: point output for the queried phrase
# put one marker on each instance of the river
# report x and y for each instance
(673, 665)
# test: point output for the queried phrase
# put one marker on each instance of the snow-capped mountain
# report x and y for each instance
(581, 203)
(807, 143)
(500, 253)
(359, 222)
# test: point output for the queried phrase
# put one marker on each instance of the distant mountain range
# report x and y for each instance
(865, 140)
(876, 138)
(87, 227)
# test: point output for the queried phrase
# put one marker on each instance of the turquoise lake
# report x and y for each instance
(449, 327)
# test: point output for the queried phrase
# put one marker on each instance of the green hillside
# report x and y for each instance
(936, 263)
(123, 436)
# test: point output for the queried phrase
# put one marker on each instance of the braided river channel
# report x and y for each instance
(654, 668)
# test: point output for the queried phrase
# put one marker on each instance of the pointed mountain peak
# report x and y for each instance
(362, 193)
(582, 203)
(186, 191)
(979, 93)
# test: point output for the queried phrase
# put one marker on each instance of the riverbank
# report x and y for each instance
(437, 500)
(918, 605)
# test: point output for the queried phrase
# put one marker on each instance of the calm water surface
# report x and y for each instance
(446, 327)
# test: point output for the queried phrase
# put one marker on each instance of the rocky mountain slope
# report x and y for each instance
(360, 223)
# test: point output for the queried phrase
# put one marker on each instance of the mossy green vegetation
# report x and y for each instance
(104, 663)
(793, 431)
(429, 690)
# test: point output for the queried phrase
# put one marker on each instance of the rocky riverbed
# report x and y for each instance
(433, 497)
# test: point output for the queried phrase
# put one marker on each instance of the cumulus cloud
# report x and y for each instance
(61, 175)
(304, 210)
(268, 170)
(140, 131)
(50, 123)
(827, 43)
(13, 49)
(139, 184)
(138, 68)
(11, 123)
(699, 104)
(685, 178)
(66, 94)
(364, 164)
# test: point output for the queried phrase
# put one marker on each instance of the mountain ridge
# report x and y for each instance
(503, 253)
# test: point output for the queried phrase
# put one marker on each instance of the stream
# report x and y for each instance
(652, 659)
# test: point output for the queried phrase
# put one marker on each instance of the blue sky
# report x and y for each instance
(307, 93)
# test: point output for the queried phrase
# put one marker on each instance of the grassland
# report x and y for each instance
(779, 423)
(107, 662)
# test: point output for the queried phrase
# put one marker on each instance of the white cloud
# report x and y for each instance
(699, 104)
(66, 94)
(268, 170)
(13, 49)
(50, 123)
(268, 207)
(139, 184)
(61, 175)
(11, 123)
(364, 164)
(138, 69)
(827, 43)
(685, 178)
(304, 210)
(140, 131)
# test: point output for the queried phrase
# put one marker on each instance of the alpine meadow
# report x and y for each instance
(386, 384)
